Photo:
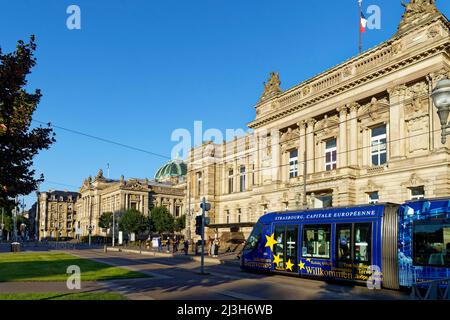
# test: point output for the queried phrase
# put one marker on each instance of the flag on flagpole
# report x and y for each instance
(363, 23)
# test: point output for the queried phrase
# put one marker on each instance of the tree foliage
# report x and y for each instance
(161, 220)
(18, 143)
(105, 220)
(133, 221)
(180, 223)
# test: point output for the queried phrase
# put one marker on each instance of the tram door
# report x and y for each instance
(353, 247)
(286, 248)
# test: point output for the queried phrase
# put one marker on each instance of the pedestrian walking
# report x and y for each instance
(175, 245)
(168, 245)
(216, 248)
(210, 247)
(186, 247)
(159, 245)
(213, 247)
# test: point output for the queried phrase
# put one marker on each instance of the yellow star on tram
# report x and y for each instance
(289, 265)
(301, 265)
(308, 260)
(276, 259)
(271, 241)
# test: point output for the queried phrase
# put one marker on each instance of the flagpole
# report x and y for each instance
(359, 24)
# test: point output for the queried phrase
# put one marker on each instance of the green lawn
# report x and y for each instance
(44, 266)
(61, 296)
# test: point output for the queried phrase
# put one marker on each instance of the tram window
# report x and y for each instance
(363, 236)
(344, 240)
(254, 238)
(278, 249)
(316, 241)
(431, 242)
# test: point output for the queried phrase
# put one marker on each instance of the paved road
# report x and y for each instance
(177, 278)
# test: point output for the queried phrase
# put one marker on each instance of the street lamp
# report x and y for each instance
(441, 99)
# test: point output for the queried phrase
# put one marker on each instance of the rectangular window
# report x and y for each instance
(316, 241)
(253, 175)
(177, 211)
(363, 238)
(431, 242)
(330, 155)
(373, 197)
(417, 193)
(199, 183)
(230, 181)
(239, 215)
(133, 205)
(228, 216)
(242, 179)
(378, 146)
(293, 164)
(321, 201)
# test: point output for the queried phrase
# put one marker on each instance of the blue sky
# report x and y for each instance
(137, 70)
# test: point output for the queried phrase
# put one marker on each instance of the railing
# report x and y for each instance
(437, 290)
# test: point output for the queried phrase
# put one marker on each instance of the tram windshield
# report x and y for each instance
(254, 238)
(432, 243)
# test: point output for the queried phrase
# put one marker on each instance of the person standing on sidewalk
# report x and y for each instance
(186, 247)
(213, 247)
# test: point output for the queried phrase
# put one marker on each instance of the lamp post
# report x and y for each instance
(441, 100)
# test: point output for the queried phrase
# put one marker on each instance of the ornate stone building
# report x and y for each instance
(361, 132)
(57, 214)
(99, 195)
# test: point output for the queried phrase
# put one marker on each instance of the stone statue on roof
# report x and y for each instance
(416, 13)
(272, 87)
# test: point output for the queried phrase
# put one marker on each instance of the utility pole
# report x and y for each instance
(305, 204)
(205, 207)
(203, 235)
(2, 226)
(16, 202)
(114, 222)
(360, 17)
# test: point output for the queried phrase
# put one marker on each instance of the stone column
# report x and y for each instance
(396, 122)
(342, 140)
(353, 145)
(275, 142)
(366, 160)
(302, 146)
(284, 166)
(310, 155)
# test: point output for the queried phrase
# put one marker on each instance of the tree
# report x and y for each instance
(105, 220)
(161, 220)
(133, 221)
(18, 144)
(180, 223)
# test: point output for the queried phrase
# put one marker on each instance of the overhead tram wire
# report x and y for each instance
(317, 158)
(58, 183)
(336, 125)
(103, 139)
(259, 149)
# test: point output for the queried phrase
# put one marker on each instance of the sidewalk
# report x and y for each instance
(228, 258)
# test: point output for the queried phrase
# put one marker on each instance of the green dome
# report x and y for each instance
(173, 168)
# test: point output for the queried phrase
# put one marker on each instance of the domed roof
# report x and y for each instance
(173, 168)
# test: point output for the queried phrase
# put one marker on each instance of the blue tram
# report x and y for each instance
(394, 245)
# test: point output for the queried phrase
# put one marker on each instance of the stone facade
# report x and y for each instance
(363, 131)
(101, 195)
(57, 214)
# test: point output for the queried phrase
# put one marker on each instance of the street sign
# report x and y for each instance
(120, 237)
(207, 206)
